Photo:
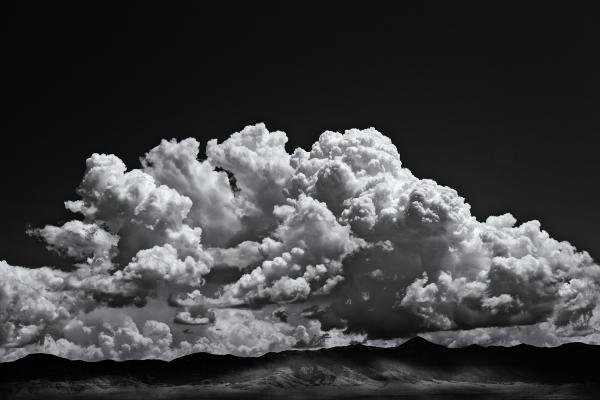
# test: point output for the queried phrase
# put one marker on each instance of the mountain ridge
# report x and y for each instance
(416, 364)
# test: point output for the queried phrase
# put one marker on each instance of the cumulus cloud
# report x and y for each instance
(261, 166)
(160, 265)
(78, 240)
(214, 207)
(115, 197)
(304, 256)
(239, 332)
(255, 249)
(30, 300)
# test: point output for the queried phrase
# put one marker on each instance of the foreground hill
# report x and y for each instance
(415, 369)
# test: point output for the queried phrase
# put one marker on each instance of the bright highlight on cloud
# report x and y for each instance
(254, 249)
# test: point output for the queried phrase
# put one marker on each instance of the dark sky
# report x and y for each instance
(500, 102)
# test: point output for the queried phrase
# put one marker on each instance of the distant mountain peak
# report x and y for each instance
(420, 342)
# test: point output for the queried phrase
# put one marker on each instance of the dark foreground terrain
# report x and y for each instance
(417, 369)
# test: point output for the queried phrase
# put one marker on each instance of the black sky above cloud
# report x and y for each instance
(471, 95)
(496, 103)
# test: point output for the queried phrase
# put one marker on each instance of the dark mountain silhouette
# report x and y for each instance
(417, 367)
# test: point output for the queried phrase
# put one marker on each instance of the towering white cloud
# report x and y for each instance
(261, 166)
(256, 249)
(112, 196)
(214, 208)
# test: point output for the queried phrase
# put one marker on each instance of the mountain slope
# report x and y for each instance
(416, 366)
